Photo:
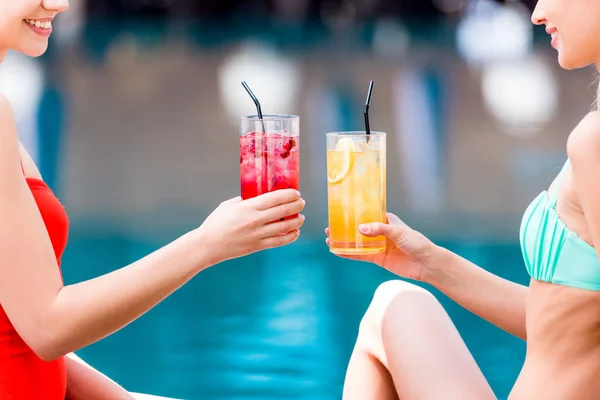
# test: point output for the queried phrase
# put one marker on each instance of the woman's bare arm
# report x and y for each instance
(497, 300)
(55, 320)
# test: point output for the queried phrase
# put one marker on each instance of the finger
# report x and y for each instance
(233, 201)
(279, 228)
(392, 232)
(327, 231)
(281, 211)
(272, 199)
(282, 240)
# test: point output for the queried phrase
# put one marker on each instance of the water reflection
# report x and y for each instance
(279, 324)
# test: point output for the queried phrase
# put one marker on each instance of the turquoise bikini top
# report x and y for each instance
(552, 252)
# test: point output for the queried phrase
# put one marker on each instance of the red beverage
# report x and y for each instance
(268, 162)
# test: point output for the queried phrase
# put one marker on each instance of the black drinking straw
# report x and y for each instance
(256, 102)
(367, 105)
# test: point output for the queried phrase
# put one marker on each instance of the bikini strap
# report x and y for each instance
(561, 175)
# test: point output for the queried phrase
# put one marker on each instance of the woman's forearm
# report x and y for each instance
(86, 383)
(87, 312)
(494, 299)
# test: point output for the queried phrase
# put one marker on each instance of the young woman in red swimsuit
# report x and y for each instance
(42, 321)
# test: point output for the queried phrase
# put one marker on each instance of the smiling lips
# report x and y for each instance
(42, 27)
(553, 32)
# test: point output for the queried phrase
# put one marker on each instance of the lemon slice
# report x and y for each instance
(341, 161)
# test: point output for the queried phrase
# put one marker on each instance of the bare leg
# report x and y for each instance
(408, 348)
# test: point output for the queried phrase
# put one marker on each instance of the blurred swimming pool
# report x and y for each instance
(278, 324)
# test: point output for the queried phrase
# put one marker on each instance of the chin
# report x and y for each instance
(34, 50)
(565, 64)
(570, 63)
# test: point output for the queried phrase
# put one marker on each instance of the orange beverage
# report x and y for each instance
(356, 190)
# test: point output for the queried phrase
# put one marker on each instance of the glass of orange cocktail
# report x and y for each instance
(356, 190)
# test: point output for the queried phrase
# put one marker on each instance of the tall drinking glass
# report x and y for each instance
(356, 190)
(269, 154)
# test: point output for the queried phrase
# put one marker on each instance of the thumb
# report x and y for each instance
(392, 219)
(392, 232)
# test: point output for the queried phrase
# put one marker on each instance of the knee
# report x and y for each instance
(399, 294)
(391, 291)
(397, 297)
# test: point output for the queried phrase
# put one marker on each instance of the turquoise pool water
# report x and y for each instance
(274, 325)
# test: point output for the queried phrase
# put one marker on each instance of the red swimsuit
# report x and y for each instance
(23, 375)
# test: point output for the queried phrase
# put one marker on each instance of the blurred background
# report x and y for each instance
(133, 118)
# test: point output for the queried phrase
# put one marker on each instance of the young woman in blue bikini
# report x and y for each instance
(408, 348)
